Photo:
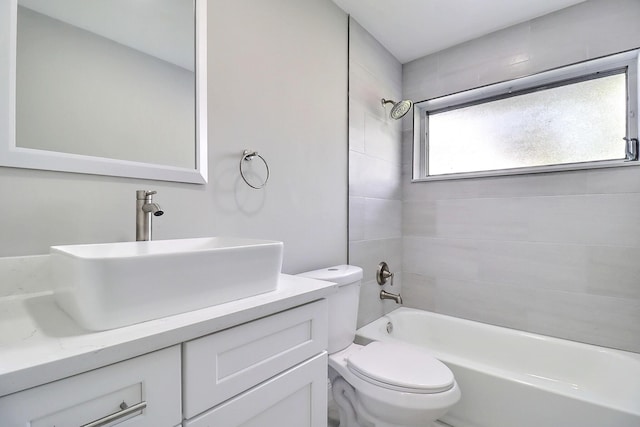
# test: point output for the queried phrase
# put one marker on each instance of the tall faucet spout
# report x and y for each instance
(153, 208)
(145, 207)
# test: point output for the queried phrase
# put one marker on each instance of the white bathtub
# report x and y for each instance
(511, 378)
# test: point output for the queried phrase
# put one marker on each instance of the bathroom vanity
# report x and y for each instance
(256, 361)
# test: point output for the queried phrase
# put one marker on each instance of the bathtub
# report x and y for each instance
(511, 378)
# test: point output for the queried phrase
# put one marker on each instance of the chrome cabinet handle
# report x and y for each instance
(126, 410)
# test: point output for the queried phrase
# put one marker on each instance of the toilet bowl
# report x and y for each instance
(382, 384)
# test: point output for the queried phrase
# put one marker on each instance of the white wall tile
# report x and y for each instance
(419, 291)
(598, 219)
(407, 149)
(613, 271)
(613, 180)
(593, 219)
(595, 319)
(493, 303)
(419, 219)
(356, 218)
(606, 321)
(382, 139)
(382, 219)
(367, 51)
(375, 167)
(420, 77)
(366, 90)
(441, 258)
(356, 127)
(437, 190)
(543, 184)
(373, 177)
(527, 265)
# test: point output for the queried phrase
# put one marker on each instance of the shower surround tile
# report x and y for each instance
(552, 253)
(375, 168)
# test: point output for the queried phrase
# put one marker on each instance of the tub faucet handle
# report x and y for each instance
(384, 274)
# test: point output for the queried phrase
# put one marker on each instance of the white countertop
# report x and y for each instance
(39, 343)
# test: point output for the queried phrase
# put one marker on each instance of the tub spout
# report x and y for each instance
(388, 295)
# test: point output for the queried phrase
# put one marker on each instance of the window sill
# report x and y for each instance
(528, 170)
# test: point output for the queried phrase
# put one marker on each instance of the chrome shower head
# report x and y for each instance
(399, 109)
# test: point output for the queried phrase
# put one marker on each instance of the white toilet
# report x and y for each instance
(382, 384)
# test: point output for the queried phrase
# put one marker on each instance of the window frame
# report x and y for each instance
(582, 71)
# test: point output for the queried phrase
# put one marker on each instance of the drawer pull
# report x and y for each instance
(126, 410)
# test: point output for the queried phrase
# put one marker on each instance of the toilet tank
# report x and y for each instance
(343, 306)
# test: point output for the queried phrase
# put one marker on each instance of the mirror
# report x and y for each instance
(107, 87)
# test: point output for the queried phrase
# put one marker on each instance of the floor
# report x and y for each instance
(334, 417)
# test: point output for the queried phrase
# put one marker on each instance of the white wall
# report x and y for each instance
(277, 84)
(550, 253)
(375, 189)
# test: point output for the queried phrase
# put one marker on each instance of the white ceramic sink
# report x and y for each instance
(105, 286)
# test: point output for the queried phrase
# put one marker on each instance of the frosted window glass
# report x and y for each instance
(579, 122)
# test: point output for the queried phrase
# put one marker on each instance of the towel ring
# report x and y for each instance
(247, 156)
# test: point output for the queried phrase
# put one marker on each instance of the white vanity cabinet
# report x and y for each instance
(271, 371)
(150, 382)
(259, 361)
(264, 372)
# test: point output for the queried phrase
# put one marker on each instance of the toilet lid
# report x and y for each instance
(401, 367)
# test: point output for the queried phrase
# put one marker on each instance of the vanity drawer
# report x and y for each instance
(296, 397)
(82, 399)
(224, 364)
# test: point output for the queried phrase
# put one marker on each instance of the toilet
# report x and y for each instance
(382, 384)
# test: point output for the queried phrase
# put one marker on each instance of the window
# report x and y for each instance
(575, 117)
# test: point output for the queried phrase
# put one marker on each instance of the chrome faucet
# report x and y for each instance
(145, 207)
(388, 295)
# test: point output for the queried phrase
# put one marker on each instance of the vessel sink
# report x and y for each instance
(106, 286)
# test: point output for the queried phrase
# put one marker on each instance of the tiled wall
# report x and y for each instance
(557, 253)
(375, 190)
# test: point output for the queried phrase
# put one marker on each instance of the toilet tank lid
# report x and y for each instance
(340, 274)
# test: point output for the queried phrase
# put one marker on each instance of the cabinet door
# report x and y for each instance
(225, 364)
(295, 398)
(152, 382)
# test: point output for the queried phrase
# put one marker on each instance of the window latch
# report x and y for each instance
(631, 149)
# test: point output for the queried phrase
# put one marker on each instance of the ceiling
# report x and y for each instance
(410, 29)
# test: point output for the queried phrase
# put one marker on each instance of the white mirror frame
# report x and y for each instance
(19, 157)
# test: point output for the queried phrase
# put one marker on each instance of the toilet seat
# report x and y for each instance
(400, 367)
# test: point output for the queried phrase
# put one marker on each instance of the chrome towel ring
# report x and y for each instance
(247, 156)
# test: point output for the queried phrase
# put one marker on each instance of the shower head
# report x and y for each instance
(399, 109)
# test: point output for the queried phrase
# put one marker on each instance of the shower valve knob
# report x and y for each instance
(384, 274)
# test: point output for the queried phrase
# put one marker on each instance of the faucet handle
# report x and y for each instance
(383, 274)
(143, 194)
